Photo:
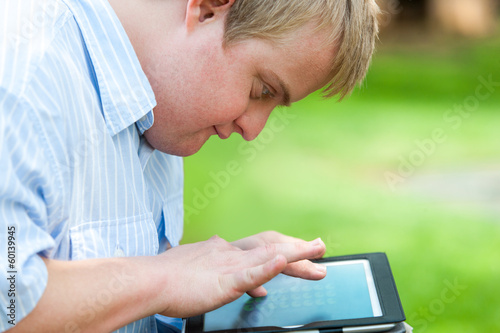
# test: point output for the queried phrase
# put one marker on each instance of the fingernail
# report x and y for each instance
(321, 268)
(317, 242)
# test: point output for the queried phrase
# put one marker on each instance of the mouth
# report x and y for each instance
(221, 136)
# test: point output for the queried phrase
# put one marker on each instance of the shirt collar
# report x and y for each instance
(125, 92)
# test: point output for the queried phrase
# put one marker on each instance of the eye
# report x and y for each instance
(266, 93)
(261, 91)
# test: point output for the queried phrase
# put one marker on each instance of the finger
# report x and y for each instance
(277, 237)
(250, 242)
(252, 278)
(306, 270)
(292, 251)
(323, 248)
(257, 292)
(263, 238)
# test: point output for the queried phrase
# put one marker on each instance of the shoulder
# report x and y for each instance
(30, 27)
(44, 70)
(45, 82)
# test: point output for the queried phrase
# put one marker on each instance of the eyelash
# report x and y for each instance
(266, 92)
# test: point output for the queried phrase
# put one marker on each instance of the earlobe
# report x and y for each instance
(204, 11)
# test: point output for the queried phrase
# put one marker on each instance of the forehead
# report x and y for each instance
(302, 60)
(309, 58)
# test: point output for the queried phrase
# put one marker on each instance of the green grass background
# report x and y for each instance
(322, 174)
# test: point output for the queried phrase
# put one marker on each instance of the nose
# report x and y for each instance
(252, 122)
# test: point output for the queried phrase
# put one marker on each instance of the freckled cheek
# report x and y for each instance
(234, 106)
(223, 94)
(227, 104)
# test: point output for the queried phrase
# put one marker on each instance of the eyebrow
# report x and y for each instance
(286, 101)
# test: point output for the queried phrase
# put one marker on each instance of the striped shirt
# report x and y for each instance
(77, 178)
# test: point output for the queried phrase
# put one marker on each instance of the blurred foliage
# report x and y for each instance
(321, 171)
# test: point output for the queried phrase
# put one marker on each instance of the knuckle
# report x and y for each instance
(215, 238)
(219, 241)
(301, 246)
(271, 249)
(251, 278)
(270, 234)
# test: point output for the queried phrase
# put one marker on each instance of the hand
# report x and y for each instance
(303, 268)
(203, 276)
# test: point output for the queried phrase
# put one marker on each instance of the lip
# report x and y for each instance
(221, 136)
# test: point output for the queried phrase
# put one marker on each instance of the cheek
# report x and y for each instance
(216, 91)
(224, 101)
(233, 105)
(205, 109)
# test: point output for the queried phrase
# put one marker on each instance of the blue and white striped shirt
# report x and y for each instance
(77, 178)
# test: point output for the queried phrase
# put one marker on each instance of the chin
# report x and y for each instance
(182, 149)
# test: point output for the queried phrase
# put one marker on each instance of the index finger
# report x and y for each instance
(263, 238)
(291, 251)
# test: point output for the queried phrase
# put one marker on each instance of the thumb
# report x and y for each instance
(251, 279)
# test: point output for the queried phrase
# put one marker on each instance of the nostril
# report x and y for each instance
(252, 122)
(250, 131)
(249, 137)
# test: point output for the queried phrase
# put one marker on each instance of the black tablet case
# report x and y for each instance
(400, 328)
(385, 284)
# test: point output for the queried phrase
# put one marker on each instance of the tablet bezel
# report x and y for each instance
(392, 310)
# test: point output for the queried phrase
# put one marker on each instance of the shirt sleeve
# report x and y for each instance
(24, 179)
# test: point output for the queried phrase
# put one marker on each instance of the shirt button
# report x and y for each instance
(119, 252)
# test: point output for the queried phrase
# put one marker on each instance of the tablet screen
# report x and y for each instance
(347, 292)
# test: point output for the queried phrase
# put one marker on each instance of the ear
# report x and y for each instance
(204, 11)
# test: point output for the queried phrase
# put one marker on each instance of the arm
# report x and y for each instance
(105, 294)
(91, 295)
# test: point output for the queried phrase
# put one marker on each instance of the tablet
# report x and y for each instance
(357, 295)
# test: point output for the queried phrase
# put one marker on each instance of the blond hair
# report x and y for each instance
(352, 24)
